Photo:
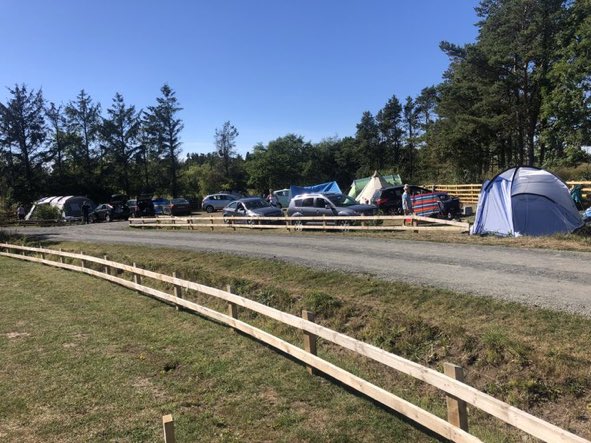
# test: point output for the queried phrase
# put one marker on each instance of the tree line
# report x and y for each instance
(519, 94)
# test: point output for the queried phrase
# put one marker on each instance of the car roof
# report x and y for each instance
(317, 194)
(248, 199)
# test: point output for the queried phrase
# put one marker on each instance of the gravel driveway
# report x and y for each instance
(554, 279)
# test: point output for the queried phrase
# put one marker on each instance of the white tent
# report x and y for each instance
(70, 206)
(375, 183)
(525, 201)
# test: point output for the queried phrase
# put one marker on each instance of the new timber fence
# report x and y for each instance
(413, 223)
(459, 394)
(468, 193)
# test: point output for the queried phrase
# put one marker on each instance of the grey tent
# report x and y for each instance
(70, 206)
(525, 201)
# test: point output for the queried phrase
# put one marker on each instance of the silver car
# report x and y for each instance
(329, 204)
(216, 202)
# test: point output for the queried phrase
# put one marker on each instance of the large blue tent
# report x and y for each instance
(322, 187)
(525, 201)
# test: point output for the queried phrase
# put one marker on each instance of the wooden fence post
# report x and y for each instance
(107, 268)
(61, 257)
(211, 219)
(457, 412)
(232, 307)
(310, 340)
(177, 291)
(168, 426)
(82, 261)
(137, 279)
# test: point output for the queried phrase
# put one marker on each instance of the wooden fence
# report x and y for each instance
(413, 223)
(458, 393)
(469, 193)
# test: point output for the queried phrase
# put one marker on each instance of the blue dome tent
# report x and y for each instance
(525, 201)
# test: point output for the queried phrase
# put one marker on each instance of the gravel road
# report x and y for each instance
(554, 279)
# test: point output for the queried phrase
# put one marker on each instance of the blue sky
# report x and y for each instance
(309, 67)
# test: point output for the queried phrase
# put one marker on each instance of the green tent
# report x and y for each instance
(358, 185)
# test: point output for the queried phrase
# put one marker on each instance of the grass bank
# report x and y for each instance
(537, 360)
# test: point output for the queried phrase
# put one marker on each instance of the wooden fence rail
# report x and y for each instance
(468, 193)
(452, 386)
(413, 223)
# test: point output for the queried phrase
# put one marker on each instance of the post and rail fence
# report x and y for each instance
(458, 393)
(413, 223)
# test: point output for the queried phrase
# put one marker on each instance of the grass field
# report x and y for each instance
(89, 360)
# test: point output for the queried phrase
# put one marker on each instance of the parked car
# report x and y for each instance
(427, 203)
(180, 206)
(132, 205)
(144, 206)
(120, 209)
(330, 204)
(161, 206)
(217, 202)
(254, 207)
(104, 212)
(282, 197)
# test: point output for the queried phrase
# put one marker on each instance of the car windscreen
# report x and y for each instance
(179, 201)
(255, 204)
(342, 200)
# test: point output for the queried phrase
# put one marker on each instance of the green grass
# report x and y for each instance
(84, 360)
(537, 360)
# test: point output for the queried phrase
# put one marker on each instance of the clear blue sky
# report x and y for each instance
(271, 67)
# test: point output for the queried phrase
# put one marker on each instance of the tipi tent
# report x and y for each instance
(525, 201)
(70, 206)
(358, 185)
(375, 183)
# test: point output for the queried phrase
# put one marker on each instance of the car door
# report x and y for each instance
(307, 207)
(240, 212)
(323, 207)
(230, 210)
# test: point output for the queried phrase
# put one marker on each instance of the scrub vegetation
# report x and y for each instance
(114, 362)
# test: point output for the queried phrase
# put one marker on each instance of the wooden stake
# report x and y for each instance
(137, 279)
(457, 412)
(168, 427)
(232, 307)
(61, 257)
(82, 262)
(177, 290)
(107, 268)
(310, 340)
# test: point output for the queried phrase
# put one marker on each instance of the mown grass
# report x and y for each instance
(535, 359)
(84, 360)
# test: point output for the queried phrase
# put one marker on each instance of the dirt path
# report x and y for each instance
(553, 279)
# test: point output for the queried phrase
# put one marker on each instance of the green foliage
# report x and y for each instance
(322, 304)
(47, 212)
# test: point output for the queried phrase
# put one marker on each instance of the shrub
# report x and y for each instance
(46, 212)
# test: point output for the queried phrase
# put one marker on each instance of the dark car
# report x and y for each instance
(254, 207)
(425, 202)
(132, 205)
(180, 206)
(329, 204)
(144, 206)
(120, 210)
(102, 212)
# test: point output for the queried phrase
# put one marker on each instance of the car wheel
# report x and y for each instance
(298, 225)
(107, 217)
(345, 224)
(209, 209)
(252, 222)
